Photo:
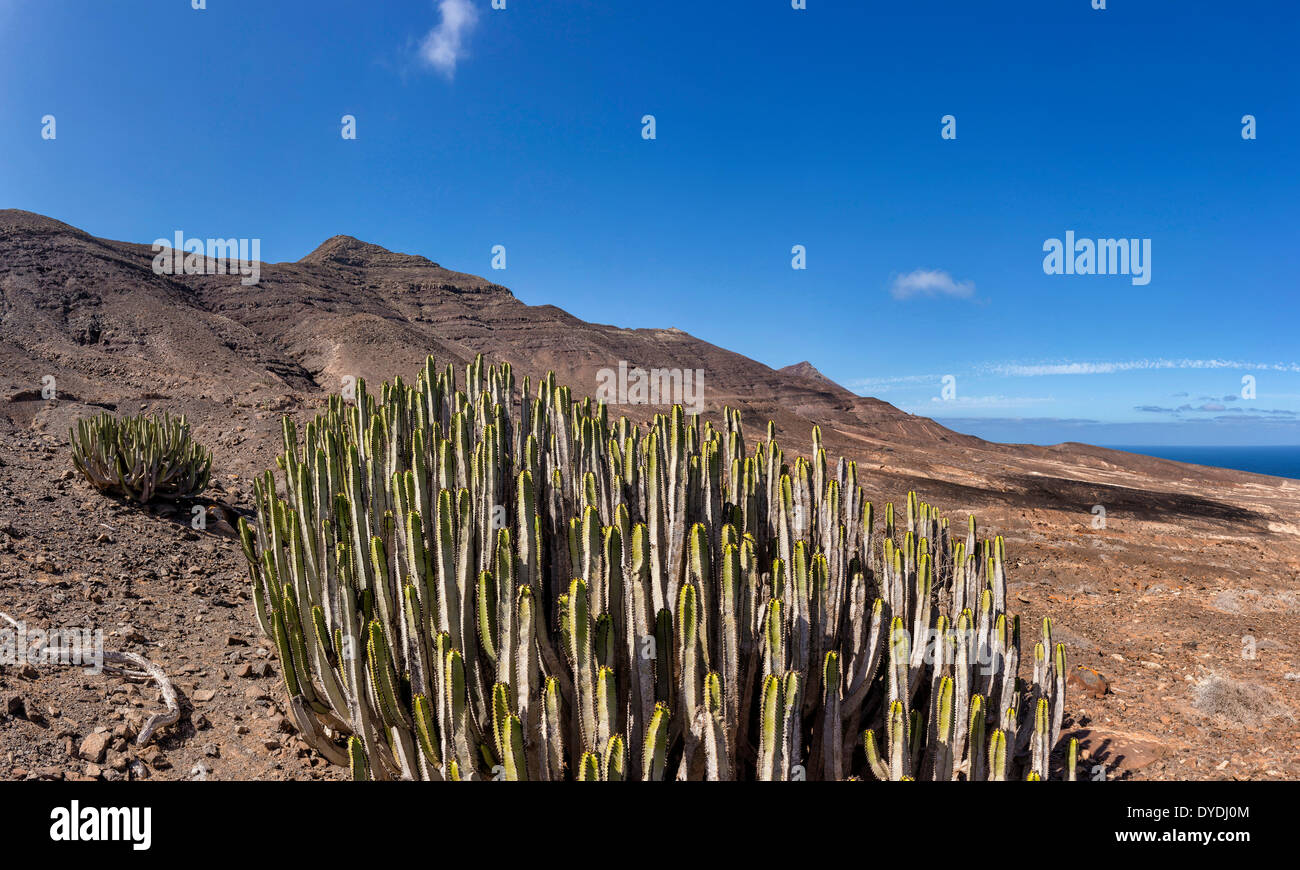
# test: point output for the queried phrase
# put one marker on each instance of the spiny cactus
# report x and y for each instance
(477, 582)
(141, 457)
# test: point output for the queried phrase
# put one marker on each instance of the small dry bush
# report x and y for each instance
(1247, 704)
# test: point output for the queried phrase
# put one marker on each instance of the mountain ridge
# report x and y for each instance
(352, 308)
(92, 313)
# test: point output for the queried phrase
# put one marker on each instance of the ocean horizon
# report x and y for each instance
(1279, 461)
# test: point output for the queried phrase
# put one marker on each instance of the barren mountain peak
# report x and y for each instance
(16, 219)
(349, 251)
(807, 370)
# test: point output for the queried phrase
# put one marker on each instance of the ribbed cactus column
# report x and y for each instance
(465, 581)
(140, 458)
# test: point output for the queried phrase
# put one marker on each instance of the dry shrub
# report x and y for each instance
(1247, 704)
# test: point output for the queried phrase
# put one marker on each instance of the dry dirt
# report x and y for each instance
(155, 586)
(1182, 609)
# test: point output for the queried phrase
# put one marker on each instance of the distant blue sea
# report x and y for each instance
(1278, 461)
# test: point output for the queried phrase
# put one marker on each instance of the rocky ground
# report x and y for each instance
(72, 558)
(1180, 671)
(1184, 655)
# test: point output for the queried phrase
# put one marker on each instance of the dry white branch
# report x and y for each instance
(143, 671)
(147, 670)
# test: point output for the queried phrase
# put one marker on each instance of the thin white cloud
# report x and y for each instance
(1217, 408)
(885, 383)
(1109, 368)
(908, 383)
(444, 46)
(992, 401)
(930, 282)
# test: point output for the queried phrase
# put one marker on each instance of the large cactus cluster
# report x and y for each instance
(480, 582)
(140, 457)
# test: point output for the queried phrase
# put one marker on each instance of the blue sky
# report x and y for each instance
(774, 127)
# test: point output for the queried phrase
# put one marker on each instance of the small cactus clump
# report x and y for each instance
(481, 583)
(141, 457)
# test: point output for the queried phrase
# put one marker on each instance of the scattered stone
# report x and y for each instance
(94, 746)
(203, 695)
(14, 705)
(1121, 750)
(1085, 679)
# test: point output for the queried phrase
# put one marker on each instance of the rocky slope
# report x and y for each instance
(1185, 602)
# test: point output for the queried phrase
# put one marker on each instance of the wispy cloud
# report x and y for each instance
(444, 46)
(991, 401)
(881, 385)
(1033, 370)
(1109, 368)
(930, 282)
(1218, 408)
